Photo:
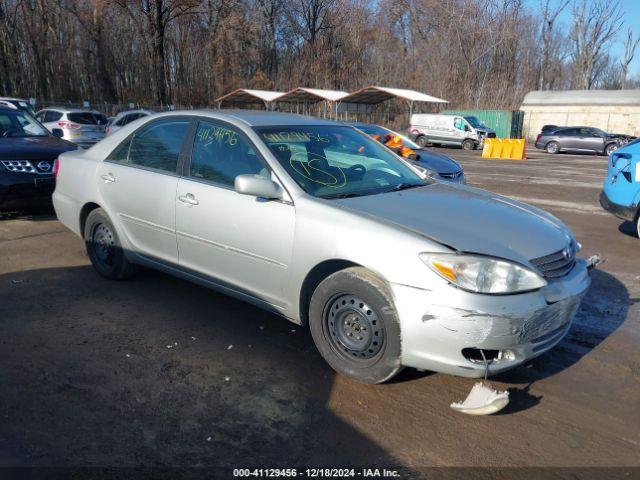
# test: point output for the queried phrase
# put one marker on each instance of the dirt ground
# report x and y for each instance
(157, 372)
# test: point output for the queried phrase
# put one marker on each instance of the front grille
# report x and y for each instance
(19, 166)
(557, 264)
(452, 175)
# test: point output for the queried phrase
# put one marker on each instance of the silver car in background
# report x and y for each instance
(321, 224)
(82, 127)
(125, 118)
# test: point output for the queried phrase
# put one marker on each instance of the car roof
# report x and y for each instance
(138, 110)
(71, 110)
(255, 118)
(14, 99)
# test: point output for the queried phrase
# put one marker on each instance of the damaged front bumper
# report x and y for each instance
(444, 329)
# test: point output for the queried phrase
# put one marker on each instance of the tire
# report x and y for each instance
(422, 141)
(610, 148)
(552, 148)
(104, 248)
(468, 144)
(354, 324)
(638, 225)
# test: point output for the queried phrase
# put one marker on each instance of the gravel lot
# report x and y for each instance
(157, 372)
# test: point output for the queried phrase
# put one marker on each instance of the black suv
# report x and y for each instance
(27, 161)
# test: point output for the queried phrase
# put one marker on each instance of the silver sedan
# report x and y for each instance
(319, 223)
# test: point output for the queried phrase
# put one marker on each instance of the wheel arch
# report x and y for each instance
(316, 275)
(86, 209)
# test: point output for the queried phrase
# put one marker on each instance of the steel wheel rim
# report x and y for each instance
(355, 329)
(103, 242)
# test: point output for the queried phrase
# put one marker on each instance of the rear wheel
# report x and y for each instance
(422, 141)
(468, 144)
(638, 226)
(552, 147)
(355, 326)
(609, 149)
(104, 248)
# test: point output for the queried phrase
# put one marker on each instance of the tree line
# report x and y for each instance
(474, 53)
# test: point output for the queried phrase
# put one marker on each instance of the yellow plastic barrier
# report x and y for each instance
(504, 148)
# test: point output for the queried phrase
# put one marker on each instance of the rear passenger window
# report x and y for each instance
(220, 154)
(458, 123)
(156, 146)
(52, 116)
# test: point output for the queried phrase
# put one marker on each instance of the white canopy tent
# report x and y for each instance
(249, 96)
(372, 95)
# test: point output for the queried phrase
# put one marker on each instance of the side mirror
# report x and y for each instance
(467, 128)
(258, 186)
(57, 132)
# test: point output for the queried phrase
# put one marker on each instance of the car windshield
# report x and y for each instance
(474, 122)
(338, 161)
(20, 124)
(378, 130)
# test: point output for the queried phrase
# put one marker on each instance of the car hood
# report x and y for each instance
(33, 148)
(467, 219)
(436, 161)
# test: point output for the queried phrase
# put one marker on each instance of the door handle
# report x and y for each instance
(188, 199)
(108, 178)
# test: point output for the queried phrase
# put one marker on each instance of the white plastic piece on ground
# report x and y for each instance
(482, 400)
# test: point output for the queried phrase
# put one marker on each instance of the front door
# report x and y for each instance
(241, 241)
(138, 183)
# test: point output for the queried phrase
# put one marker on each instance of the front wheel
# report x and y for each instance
(609, 149)
(104, 248)
(355, 326)
(468, 145)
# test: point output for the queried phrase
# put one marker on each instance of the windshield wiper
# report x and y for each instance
(342, 195)
(405, 186)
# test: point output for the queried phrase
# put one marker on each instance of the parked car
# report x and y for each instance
(444, 129)
(125, 118)
(27, 156)
(17, 103)
(82, 127)
(621, 190)
(321, 224)
(434, 164)
(580, 139)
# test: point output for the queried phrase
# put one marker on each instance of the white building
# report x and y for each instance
(614, 111)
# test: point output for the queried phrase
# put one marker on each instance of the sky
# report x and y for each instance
(631, 11)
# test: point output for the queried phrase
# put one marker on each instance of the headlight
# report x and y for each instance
(483, 274)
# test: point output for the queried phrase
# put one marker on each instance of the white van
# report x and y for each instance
(442, 129)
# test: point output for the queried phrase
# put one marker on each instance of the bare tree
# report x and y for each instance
(630, 46)
(550, 15)
(595, 25)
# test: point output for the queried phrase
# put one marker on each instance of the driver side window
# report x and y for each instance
(220, 154)
(458, 123)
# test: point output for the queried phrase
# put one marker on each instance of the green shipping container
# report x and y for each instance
(506, 123)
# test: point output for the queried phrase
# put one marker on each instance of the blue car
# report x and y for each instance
(621, 191)
(434, 164)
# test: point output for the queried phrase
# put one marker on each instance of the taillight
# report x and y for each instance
(538, 137)
(106, 131)
(56, 167)
(70, 125)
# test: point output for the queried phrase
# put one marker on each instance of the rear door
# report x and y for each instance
(242, 241)
(138, 183)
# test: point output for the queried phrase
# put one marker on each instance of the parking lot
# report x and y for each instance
(159, 372)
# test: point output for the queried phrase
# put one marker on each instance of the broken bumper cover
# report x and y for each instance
(438, 324)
